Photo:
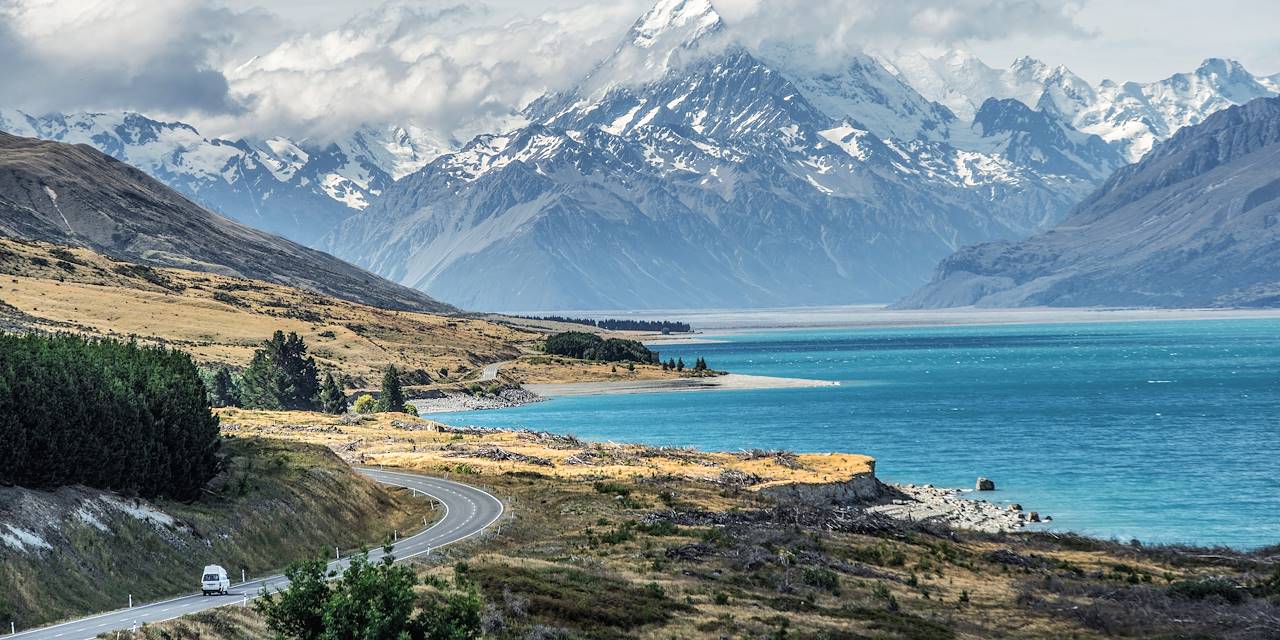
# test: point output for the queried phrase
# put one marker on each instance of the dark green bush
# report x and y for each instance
(105, 414)
(588, 346)
(1208, 588)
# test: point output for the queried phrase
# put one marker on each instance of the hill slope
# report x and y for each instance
(74, 194)
(1196, 223)
(76, 550)
(221, 320)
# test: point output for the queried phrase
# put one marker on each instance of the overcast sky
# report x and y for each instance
(307, 66)
(1139, 40)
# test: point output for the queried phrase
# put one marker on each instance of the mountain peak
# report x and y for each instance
(687, 20)
(1029, 65)
(1221, 67)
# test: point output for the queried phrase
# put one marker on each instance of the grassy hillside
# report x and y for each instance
(75, 551)
(221, 319)
(653, 543)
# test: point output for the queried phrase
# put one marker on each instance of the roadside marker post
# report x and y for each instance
(131, 601)
(243, 579)
(336, 555)
(13, 628)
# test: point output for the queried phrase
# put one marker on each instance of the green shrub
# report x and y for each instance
(822, 578)
(611, 488)
(366, 404)
(1208, 588)
(410, 409)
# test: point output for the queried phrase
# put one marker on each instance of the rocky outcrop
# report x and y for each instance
(861, 488)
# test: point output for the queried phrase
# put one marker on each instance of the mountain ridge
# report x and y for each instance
(718, 183)
(77, 195)
(1195, 223)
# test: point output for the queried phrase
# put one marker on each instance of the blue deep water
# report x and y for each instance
(1161, 431)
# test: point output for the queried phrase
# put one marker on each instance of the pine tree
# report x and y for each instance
(392, 396)
(332, 400)
(680, 364)
(223, 392)
(281, 376)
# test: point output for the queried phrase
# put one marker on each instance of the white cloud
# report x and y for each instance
(834, 29)
(450, 69)
(113, 54)
(456, 69)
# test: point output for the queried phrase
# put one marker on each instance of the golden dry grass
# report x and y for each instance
(402, 441)
(221, 320)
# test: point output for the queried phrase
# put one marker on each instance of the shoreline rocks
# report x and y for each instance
(454, 401)
(952, 508)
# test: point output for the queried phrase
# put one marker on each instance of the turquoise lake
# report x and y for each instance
(1161, 431)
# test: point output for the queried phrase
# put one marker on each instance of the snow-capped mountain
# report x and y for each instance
(294, 189)
(1196, 223)
(685, 170)
(1131, 115)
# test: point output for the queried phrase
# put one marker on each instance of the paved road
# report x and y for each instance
(490, 372)
(468, 511)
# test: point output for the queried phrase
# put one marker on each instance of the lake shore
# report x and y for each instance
(711, 323)
(730, 381)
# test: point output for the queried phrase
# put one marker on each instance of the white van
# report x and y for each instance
(215, 580)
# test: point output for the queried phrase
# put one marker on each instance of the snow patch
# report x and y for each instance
(21, 539)
(141, 511)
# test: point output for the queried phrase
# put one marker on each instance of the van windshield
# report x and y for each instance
(210, 577)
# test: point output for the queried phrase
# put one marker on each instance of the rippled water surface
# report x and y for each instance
(1161, 431)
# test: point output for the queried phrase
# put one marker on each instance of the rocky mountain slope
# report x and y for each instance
(686, 170)
(1132, 115)
(76, 195)
(1196, 223)
(296, 189)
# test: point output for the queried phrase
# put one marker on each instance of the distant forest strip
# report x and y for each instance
(105, 414)
(620, 325)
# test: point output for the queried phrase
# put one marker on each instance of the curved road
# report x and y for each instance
(468, 511)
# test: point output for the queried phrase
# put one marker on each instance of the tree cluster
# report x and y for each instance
(665, 326)
(281, 376)
(588, 346)
(106, 414)
(370, 601)
(674, 364)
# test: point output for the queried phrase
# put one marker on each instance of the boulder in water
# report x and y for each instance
(986, 484)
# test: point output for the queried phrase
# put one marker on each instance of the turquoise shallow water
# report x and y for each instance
(1160, 431)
